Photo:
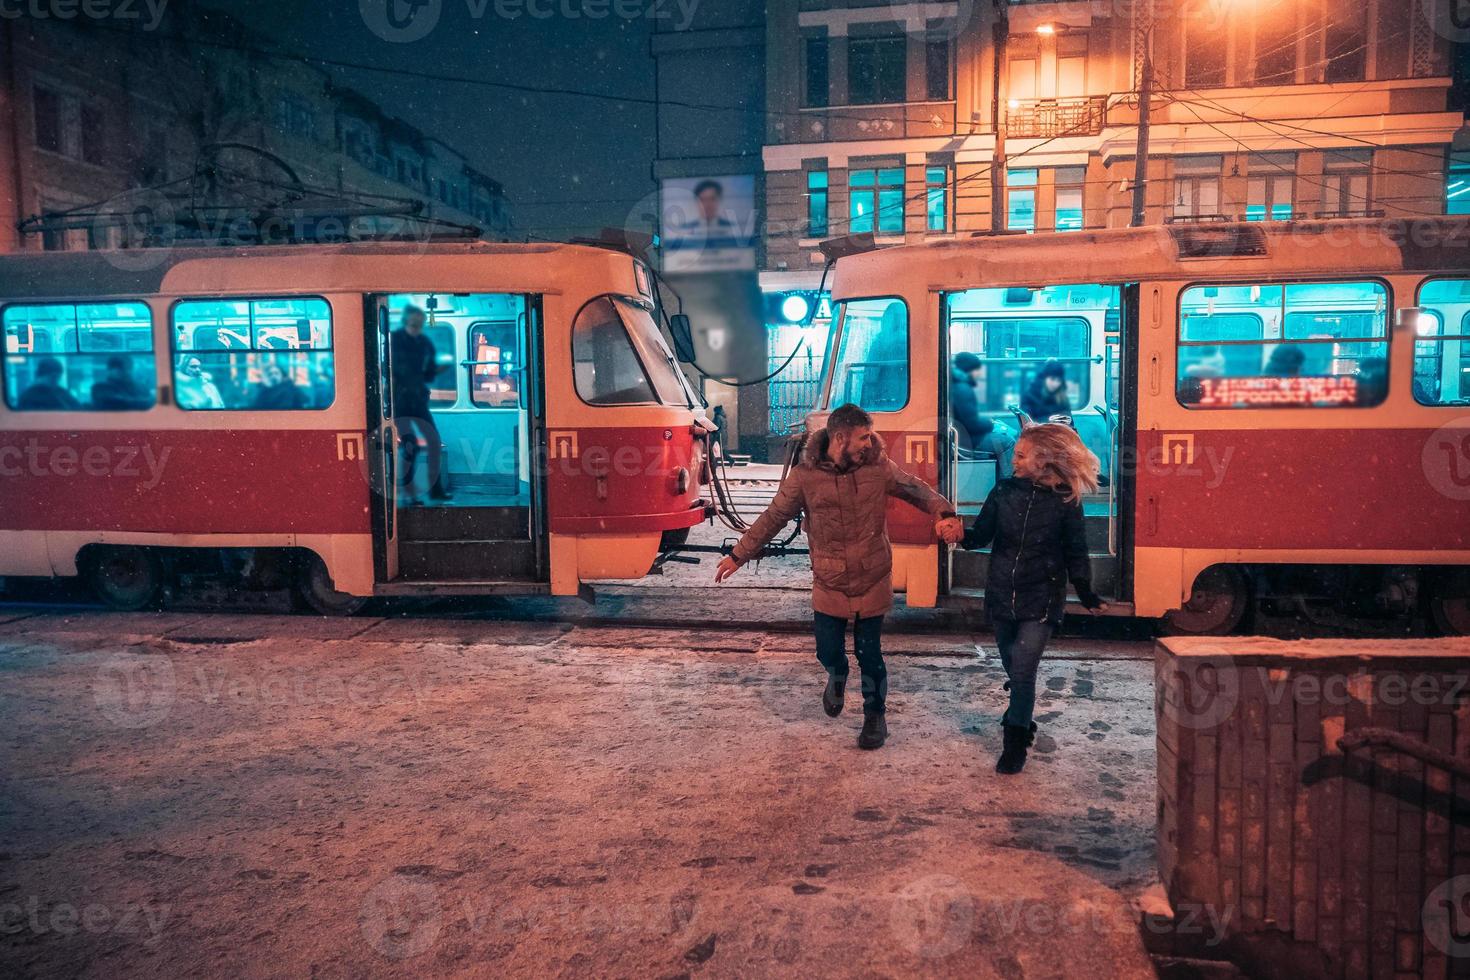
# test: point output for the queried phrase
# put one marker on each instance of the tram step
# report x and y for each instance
(451, 523)
(449, 560)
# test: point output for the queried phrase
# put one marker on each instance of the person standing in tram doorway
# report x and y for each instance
(415, 365)
(1034, 524)
(842, 483)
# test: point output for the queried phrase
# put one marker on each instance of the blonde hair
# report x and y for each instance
(1058, 460)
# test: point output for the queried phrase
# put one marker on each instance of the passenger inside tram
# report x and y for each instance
(47, 393)
(468, 369)
(1296, 345)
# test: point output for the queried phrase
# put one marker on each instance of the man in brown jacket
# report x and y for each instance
(842, 482)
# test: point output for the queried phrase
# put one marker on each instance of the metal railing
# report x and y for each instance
(1057, 117)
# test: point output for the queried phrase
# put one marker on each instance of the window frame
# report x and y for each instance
(632, 346)
(834, 345)
(874, 194)
(943, 190)
(1083, 378)
(1386, 340)
(470, 363)
(152, 351)
(877, 42)
(1463, 336)
(815, 194)
(174, 352)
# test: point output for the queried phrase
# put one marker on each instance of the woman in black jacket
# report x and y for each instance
(1046, 395)
(1034, 525)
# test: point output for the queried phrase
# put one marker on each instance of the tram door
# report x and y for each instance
(1052, 353)
(464, 401)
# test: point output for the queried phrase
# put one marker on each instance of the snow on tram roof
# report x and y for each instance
(132, 272)
(1175, 251)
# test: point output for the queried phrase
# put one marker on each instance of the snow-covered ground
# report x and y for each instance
(187, 794)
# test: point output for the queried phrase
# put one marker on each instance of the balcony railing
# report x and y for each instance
(1057, 117)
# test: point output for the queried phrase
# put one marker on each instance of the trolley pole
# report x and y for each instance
(1000, 35)
(1144, 41)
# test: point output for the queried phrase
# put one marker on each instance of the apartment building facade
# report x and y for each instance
(132, 121)
(885, 117)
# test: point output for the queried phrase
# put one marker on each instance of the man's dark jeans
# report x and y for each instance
(1021, 645)
(867, 641)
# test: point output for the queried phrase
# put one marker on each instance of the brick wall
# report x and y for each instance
(1322, 863)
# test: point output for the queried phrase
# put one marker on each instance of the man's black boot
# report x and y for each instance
(875, 730)
(833, 694)
(1013, 756)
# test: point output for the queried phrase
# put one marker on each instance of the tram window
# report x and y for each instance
(1442, 347)
(1302, 345)
(1015, 349)
(79, 357)
(265, 354)
(495, 379)
(605, 366)
(871, 367)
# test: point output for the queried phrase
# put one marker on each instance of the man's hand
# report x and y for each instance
(728, 566)
(951, 530)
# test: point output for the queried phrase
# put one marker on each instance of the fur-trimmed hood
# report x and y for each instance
(814, 453)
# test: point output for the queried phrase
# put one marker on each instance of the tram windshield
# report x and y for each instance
(870, 366)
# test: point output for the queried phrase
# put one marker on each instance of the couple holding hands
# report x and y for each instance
(1032, 521)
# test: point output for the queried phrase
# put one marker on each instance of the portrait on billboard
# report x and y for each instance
(708, 224)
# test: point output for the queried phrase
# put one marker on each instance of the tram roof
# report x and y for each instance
(352, 266)
(1176, 251)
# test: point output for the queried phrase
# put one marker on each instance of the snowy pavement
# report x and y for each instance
(189, 794)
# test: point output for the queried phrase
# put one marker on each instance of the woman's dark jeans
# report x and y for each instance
(1021, 646)
(867, 641)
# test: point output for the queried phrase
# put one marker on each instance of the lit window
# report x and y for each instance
(267, 354)
(816, 203)
(937, 184)
(875, 198)
(1442, 344)
(64, 357)
(1070, 182)
(1457, 184)
(1021, 200)
(1271, 186)
(1298, 345)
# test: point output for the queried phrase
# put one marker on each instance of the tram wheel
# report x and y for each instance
(1449, 603)
(125, 578)
(1216, 605)
(316, 591)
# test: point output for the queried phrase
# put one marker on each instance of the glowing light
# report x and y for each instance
(1426, 325)
(1046, 29)
(795, 308)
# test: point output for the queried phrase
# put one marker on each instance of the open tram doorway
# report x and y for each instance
(1054, 353)
(460, 396)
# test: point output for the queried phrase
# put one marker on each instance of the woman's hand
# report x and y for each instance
(951, 530)
(728, 566)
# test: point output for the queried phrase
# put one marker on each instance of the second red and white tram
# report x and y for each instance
(1280, 408)
(166, 412)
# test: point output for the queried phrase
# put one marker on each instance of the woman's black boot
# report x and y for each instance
(1013, 756)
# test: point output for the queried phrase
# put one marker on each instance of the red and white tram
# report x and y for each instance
(168, 412)
(1281, 408)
